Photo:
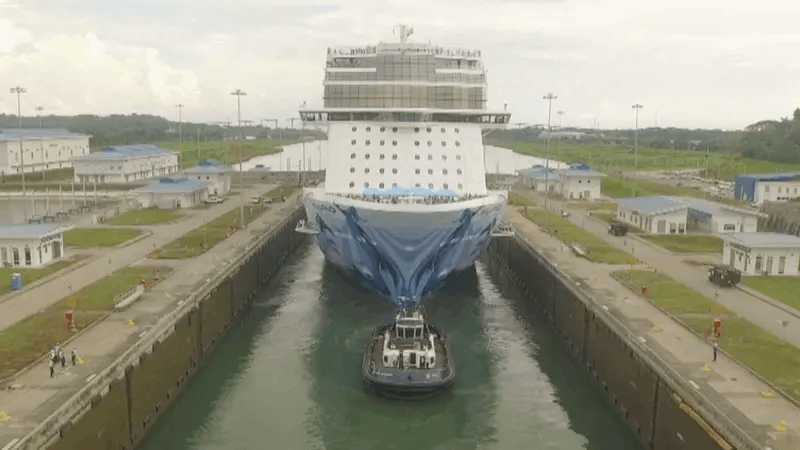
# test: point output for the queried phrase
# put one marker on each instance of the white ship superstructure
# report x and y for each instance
(405, 202)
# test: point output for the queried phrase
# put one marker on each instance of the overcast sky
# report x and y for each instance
(691, 63)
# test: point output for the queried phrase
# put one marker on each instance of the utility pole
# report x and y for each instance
(180, 121)
(198, 144)
(636, 107)
(241, 189)
(239, 93)
(20, 90)
(549, 97)
(40, 113)
(558, 145)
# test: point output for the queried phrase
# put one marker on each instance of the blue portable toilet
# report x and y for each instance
(16, 281)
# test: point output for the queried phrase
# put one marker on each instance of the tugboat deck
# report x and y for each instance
(377, 354)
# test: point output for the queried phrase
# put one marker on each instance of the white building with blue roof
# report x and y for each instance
(172, 193)
(126, 163)
(39, 149)
(762, 253)
(216, 174)
(767, 187)
(576, 182)
(31, 246)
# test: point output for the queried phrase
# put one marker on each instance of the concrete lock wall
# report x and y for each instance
(120, 405)
(654, 405)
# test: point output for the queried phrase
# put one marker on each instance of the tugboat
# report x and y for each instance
(408, 359)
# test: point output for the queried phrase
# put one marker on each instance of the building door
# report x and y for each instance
(781, 264)
(4, 255)
(15, 255)
(733, 257)
(769, 264)
(56, 249)
(586, 195)
(662, 226)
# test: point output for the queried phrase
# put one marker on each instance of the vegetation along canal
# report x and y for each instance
(289, 377)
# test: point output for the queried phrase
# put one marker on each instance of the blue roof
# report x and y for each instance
(774, 176)
(127, 151)
(14, 134)
(178, 185)
(650, 205)
(209, 166)
(9, 230)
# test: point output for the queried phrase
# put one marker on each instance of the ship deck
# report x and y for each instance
(377, 354)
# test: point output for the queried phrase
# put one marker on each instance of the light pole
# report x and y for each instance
(239, 93)
(180, 122)
(558, 145)
(40, 112)
(549, 97)
(636, 107)
(20, 90)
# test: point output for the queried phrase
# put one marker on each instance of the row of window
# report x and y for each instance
(416, 171)
(416, 143)
(429, 76)
(430, 185)
(417, 157)
(393, 63)
(416, 130)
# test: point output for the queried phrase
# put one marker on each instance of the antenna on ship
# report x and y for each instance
(405, 32)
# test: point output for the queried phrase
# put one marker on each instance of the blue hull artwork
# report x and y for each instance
(402, 255)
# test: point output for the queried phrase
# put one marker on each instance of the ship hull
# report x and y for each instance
(403, 252)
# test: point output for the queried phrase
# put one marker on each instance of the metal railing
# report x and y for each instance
(47, 429)
(718, 420)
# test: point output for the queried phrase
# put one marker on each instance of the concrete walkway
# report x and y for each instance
(36, 395)
(30, 301)
(733, 389)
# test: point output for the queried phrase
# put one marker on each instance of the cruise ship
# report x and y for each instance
(405, 202)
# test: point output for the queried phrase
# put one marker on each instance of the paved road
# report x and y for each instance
(32, 300)
(37, 395)
(732, 388)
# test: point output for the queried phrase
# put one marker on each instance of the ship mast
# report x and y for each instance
(405, 32)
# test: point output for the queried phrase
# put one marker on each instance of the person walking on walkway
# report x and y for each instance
(52, 368)
(74, 355)
(716, 349)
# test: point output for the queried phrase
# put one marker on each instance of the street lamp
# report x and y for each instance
(239, 93)
(180, 122)
(20, 90)
(40, 112)
(549, 97)
(636, 107)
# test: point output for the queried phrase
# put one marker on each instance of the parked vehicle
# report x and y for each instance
(725, 276)
(256, 199)
(214, 199)
(617, 228)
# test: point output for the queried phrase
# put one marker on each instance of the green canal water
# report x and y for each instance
(288, 377)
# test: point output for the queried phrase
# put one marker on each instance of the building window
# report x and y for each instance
(580, 181)
(729, 227)
(355, 129)
(781, 263)
(758, 263)
(458, 171)
(352, 184)
(416, 171)
(430, 157)
(380, 185)
(352, 170)
(383, 142)
(588, 181)
(368, 142)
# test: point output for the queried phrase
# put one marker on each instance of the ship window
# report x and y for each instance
(444, 157)
(394, 184)
(460, 186)
(416, 157)
(458, 171)
(416, 185)
(416, 171)
(445, 185)
(394, 156)
(384, 142)
(383, 156)
(416, 130)
(443, 130)
(416, 143)
(366, 170)
(366, 184)
(352, 156)
(355, 129)
(369, 129)
(381, 170)
(380, 185)
(455, 129)
(430, 185)
(428, 130)
(394, 129)
(352, 170)
(366, 156)
(352, 184)
(458, 144)
(353, 142)
(444, 171)
(458, 157)
(394, 143)
(430, 157)
(430, 171)
(430, 143)
(394, 170)
(444, 144)
(383, 129)
(368, 142)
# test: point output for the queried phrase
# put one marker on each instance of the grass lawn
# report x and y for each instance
(145, 217)
(225, 152)
(687, 243)
(782, 289)
(594, 206)
(24, 342)
(606, 216)
(50, 175)
(518, 199)
(99, 237)
(31, 275)
(771, 357)
(597, 250)
(285, 190)
(197, 241)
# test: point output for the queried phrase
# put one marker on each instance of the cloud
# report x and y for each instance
(11, 36)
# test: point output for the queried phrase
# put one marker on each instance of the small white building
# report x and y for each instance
(579, 183)
(657, 215)
(171, 193)
(763, 187)
(42, 149)
(217, 176)
(31, 246)
(762, 253)
(711, 217)
(126, 163)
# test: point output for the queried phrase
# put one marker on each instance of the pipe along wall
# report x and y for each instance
(126, 407)
(658, 411)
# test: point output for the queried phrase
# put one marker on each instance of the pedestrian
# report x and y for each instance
(716, 349)
(52, 368)
(62, 357)
(74, 355)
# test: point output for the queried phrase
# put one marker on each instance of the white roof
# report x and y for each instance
(763, 240)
